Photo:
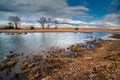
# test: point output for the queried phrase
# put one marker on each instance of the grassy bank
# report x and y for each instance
(21, 30)
(101, 63)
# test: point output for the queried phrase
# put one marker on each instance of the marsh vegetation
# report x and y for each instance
(101, 63)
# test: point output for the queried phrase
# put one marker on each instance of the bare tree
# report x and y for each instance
(14, 20)
(42, 21)
(56, 23)
(48, 22)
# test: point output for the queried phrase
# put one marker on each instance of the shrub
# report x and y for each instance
(8, 27)
(32, 27)
(76, 28)
(18, 28)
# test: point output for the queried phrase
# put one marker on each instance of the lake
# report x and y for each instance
(36, 42)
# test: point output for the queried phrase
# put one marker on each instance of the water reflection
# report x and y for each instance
(36, 42)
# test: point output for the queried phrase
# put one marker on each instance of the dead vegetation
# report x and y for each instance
(115, 35)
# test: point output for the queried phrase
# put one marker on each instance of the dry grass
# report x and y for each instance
(21, 30)
(95, 65)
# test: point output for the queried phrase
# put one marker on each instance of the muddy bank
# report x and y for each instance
(115, 35)
(77, 62)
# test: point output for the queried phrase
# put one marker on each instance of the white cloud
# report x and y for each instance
(69, 21)
(49, 8)
(3, 23)
(109, 21)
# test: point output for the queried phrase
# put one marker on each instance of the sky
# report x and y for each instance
(68, 13)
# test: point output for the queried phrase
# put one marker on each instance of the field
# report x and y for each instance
(60, 30)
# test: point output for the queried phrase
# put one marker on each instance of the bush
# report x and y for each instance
(76, 28)
(32, 27)
(8, 27)
(18, 28)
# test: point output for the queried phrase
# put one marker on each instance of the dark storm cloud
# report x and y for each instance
(51, 8)
(6, 6)
(12, 6)
(6, 9)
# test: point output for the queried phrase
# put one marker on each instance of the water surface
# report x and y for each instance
(36, 42)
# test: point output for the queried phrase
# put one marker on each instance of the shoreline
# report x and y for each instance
(27, 30)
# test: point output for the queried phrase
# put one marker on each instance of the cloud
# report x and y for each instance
(108, 21)
(31, 10)
(113, 17)
(49, 8)
(116, 5)
(2, 23)
(69, 21)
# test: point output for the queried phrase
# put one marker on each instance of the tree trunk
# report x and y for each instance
(56, 27)
(43, 26)
(15, 26)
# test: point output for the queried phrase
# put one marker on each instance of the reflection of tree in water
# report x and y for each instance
(16, 42)
(43, 40)
(46, 40)
(2, 49)
(37, 42)
(1, 45)
(9, 43)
